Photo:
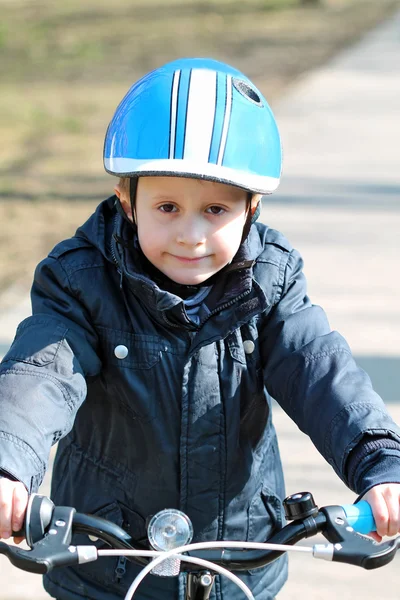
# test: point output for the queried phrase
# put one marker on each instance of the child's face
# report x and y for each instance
(188, 229)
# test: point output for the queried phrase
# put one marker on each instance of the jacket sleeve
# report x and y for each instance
(310, 371)
(43, 375)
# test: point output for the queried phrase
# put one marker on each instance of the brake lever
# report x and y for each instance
(37, 519)
(53, 549)
(350, 547)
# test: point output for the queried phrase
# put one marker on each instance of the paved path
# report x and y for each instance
(339, 204)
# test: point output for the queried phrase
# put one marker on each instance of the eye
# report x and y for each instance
(167, 208)
(216, 210)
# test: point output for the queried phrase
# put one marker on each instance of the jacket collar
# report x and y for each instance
(110, 232)
(235, 281)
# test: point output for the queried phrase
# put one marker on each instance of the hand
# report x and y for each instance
(385, 503)
(13, 502)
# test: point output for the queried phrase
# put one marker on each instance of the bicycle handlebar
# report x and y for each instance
(49, 533)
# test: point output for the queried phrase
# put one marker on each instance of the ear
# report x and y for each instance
(117, 190)
(124, 201)
(255, 201)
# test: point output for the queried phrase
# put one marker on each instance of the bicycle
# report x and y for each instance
(48, 530)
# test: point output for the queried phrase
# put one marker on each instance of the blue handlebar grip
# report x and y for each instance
(360, 517)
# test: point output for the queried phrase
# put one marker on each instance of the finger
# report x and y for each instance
(393, 505)
(20, 501)
(6, 496)
(381, 514)
(375, 536)
(18, 540)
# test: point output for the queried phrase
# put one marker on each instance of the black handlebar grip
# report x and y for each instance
(38, 515)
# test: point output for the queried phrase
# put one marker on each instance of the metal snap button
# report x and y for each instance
(121, 352)
(248, 346)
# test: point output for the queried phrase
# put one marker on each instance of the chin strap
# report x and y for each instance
(133, 183)
(250, 219)
(256, 213)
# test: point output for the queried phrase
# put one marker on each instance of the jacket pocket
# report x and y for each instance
(110, 572)
(265, 516)
(245, 354)
(248, 375)
(130, 350)
(130, 373)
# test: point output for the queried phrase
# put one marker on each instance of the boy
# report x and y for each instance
(160, 330)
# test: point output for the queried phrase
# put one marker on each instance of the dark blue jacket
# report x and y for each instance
(184, 419)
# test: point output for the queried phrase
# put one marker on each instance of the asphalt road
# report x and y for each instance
(339, 204)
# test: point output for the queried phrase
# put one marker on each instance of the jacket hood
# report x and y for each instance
(100, 226)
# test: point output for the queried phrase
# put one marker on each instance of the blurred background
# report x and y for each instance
(64, 67)
(330, 70)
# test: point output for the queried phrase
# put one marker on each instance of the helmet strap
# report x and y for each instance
(250, 216)
(133, 183)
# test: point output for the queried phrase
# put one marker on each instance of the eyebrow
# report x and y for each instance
(163, 197)
(175, 198)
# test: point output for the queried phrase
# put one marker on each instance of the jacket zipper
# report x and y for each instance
(114, 256)
(216, 310)
(120, 569)
(226, 305)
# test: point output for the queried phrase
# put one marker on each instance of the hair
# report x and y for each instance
(124, 184)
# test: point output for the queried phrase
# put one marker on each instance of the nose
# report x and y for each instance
(191, 231)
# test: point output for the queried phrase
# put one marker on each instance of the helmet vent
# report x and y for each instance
(247, 91)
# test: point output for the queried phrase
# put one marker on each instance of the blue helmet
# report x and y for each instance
(199, 118)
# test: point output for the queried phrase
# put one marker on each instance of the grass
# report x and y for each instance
(65, 65)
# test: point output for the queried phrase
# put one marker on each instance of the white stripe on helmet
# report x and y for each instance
(174, 107)
(200, 114)
(228, 108)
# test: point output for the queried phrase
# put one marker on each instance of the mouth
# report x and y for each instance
(189, 260)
